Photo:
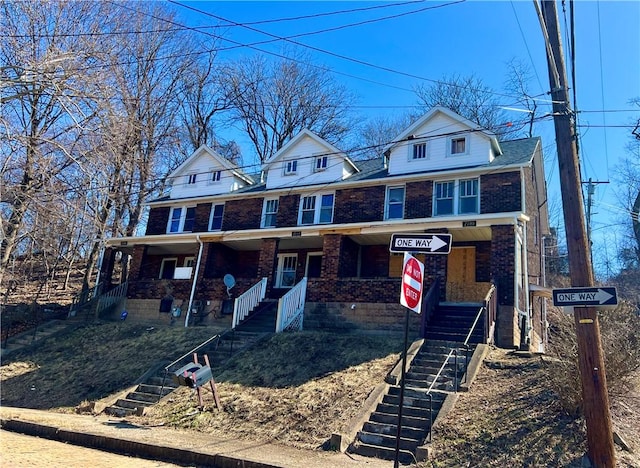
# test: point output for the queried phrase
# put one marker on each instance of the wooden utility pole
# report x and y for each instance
(590, 358)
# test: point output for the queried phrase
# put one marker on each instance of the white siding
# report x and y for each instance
(437, 133)
(305, 152)
(203, 166)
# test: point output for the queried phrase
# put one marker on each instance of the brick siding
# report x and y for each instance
(501, 192)
(359, 205)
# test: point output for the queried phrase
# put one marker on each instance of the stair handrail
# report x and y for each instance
(452, 352)
(490, 304)
(429, 303)
(112, 296)
(291, 308)
(247, 301)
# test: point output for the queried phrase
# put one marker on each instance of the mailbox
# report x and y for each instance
(199, 377)
(183, 375)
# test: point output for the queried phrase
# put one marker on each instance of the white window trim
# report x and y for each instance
(189, 262)
(280, 270)
(263, 220)
(285, 167)
(456, 197)
(387, 201)
(466, 145)
(192, 178)
(412, 144)
(213, 208)
(324, 165)
(183, 217)
(213, 181)
(317, 208)
(310, 254)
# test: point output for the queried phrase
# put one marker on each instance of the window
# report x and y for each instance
(468, 196)
(215, 223)
(456, 197)
(168, 268)
(189, 262)
(286, 273)
(270, 212)
(290, 167)
(321, 163)
(394, 208)
(444, 198)
(420, 151)
(181, 219)
(215, 176)
(192, 178)
(316, 209)
(458, 145)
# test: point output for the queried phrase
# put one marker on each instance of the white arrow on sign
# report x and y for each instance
(421, 244)
(600, 296)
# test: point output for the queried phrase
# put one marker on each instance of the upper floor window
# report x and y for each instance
(269, 213)
(458, 145)
(215, 176)
(215, 223)
(456, 197)
(394, 207)
(420, 151)
(291, 167)
(468, 196)
(192, 179)
(181, 219)
(316, 209)
(321, 163)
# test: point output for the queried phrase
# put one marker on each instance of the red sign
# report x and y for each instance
(411, 294)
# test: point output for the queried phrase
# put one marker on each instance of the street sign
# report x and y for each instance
(421, 243)
(412, 274)
(585, 297)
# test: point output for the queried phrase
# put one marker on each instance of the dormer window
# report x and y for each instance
(458, 145)
(291, 167)
(321, 163)
(420, 150)
(192, 179)
(215, 176)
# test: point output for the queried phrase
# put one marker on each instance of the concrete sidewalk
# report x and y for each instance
(171, 445)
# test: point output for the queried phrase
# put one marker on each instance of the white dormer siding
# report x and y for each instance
(441, 140)
(307, 160)
(204, 173)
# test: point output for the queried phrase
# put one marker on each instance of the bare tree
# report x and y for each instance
(518, 82)
(469, 97)
(376, 133)
(45, 108)
(273, 101)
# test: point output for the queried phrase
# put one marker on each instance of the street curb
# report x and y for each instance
(129, 447)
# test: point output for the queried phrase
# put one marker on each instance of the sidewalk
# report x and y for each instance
(171, 445)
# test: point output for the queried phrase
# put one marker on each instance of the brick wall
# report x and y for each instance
(266, 262)
(381, 290)
(288, 211)
(158, 219)
(201, 223)
(419, 200)
(242, 214)
(500, 192)
(359, 205)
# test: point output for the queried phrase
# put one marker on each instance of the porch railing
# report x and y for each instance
(429, 304)
(291, 308)
(246, 302)
(490, 304)
(112, 297)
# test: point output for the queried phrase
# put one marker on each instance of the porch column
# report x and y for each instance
(503, 244)
(267, 261)
(331, 256)
(139, 254)
(106, 269)
(435, 266)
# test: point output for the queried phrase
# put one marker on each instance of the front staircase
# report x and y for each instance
(158, 382)
(436, 371)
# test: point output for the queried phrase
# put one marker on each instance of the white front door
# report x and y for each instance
(286, 274)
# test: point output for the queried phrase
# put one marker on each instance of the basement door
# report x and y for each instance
(286, 273)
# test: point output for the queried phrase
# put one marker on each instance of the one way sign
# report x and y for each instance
(583, 297)
(421, 243)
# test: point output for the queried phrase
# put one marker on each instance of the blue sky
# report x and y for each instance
(433, 39)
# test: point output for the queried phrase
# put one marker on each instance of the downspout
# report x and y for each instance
(527, 299)
(195, 280)
(543, 305)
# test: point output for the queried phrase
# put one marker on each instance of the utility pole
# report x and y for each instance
(590, 357)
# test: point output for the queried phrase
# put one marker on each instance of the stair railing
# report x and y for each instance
(217, 337)
(291, 308)
(490, 304)
(247, 301)
(112, 297)
(429, 304)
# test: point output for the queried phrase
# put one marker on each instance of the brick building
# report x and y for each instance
(316, 214)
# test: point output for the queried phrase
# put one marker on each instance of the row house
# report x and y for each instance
(317, 215)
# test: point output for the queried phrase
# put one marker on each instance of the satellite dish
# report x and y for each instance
(229, 282)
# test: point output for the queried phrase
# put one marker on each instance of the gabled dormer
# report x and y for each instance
(307, 159)
(204, 173)
(439, 140)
